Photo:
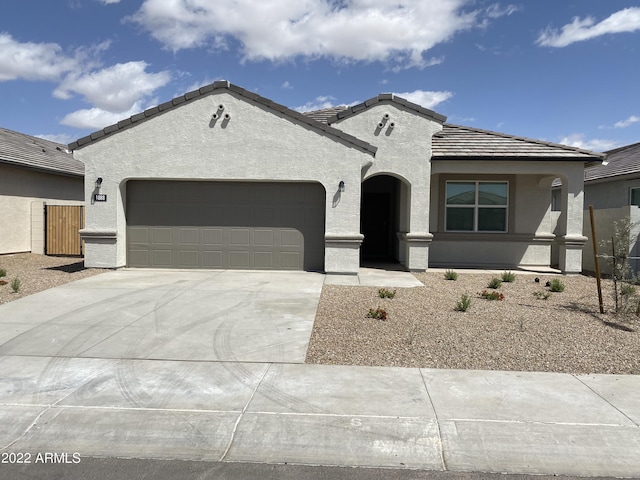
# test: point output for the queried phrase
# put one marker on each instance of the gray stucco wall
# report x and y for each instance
(610, 194)
(19, 189)
(530, 237)
(256, 144)
(404, 152)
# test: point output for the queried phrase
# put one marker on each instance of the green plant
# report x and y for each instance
(541, 295)
(491, 295)
(508, 277)
(377, 313)
(495, 283)
(556, 285)
(15, 285)
(450, 275)
(3, 272)
(626, 289)
(386, 293)
(464, 303)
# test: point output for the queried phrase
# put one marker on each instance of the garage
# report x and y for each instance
(226, 225)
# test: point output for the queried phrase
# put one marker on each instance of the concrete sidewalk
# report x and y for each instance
(510, 422)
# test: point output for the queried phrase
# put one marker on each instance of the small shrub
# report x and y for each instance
(508, 277)
(377, 313)
(495, 283)
(3, 272)
(627, 290)
(450, 275)
(491, 295)
(464, 303)
(386, 293)
(541, 295)
(556, 285)
(15, 285)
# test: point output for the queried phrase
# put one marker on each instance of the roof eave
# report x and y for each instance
(207, 89)
(51, 171)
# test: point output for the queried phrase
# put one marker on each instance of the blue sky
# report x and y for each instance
(561, 71)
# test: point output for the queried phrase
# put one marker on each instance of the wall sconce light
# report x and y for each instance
(98, 182)
(341, 186)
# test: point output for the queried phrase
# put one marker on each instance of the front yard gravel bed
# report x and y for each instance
(39, 272)
(565, 333)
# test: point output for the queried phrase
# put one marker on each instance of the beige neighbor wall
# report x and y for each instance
(403, 152)
(256, 144)
(605, 221)
(23, 193)
(530, 232)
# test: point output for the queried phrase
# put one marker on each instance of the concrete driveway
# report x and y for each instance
(168, 315)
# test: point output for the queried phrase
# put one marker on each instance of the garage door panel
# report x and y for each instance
(160, 236)
(189, 259)
(212, 236)
(263, 238)
(161, 258)
(189, 236)
(225, 225)
(213, 259)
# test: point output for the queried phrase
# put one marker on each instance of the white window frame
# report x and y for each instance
(476, 206)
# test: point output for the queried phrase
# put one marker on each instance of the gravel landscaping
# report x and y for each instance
(39, 272)
(564, 333)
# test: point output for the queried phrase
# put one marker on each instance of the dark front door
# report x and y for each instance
(375, 218)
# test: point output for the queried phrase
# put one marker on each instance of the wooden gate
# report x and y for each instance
(63, 223)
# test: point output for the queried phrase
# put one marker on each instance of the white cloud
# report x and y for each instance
(319, 103)
(596, 144)
(62, 138)
(97, 118)
(286, 85)
(346, 30)
(32, 61)
(109, 2)
(496, 10)
(427, 99)
(113, 89)
(625, 123)
(626, 20)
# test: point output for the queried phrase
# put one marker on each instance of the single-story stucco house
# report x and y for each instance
(224, 178)
(613, 189)
(33, 172)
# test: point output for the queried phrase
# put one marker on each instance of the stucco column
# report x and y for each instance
(342, 239)
(418, 239)
(571, 241)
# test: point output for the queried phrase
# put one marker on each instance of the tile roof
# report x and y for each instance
(620, 161)
(208, 89)
(37, 154)
(456, 142)
(344, 111)
(459, 142)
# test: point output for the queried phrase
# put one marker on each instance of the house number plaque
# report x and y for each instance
(100, 197)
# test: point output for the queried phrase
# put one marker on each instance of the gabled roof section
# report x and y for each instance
(36, 153)
(346, 112)
(620, 161)
(325, 114)
(456, 142)
(207, 90)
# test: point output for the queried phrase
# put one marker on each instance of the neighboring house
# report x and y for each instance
(224, 178)
(33, 172)
(614, 191)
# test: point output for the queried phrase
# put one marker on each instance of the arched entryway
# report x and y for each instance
(382, 216)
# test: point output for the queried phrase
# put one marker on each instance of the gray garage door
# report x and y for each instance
(175, 224)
